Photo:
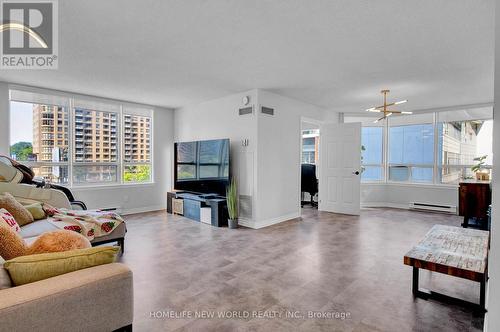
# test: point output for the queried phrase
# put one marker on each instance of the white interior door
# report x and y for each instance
(340, 168)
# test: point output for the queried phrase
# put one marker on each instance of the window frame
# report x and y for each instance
(71, 163)
(124, 163)
(437, 168)
(382, 165)
(411, 166)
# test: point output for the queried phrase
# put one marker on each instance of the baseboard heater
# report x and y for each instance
(433, 207)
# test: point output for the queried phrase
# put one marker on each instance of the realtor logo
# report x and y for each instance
(28, 33)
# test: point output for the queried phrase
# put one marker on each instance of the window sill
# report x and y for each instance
(110, 186)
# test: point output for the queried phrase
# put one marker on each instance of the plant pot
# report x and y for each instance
(232, 223)
(482, 176)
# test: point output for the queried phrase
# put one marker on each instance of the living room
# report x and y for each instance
(250, 166)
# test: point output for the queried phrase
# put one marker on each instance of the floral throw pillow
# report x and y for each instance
(7, 219)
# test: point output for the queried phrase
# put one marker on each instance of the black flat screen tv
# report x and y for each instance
(202, 166)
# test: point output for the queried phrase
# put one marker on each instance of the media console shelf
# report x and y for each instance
(193, 203)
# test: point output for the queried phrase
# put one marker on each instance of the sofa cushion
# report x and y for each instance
(31, 268)
(22, 216)
(36, 210)
(11, 244)
(5, 281)
(36, 228)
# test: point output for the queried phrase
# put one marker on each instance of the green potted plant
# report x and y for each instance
(232, 204)
(479, 169)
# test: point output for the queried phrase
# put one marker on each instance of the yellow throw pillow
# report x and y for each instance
(36, 211)
(22, 216)
(26, 269)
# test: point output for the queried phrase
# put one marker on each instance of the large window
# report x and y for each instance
(136, 147)
(411, 152)
(372, 141)
(76, 142)
(437, 148)
(462, 137)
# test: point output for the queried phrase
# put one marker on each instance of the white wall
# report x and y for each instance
(492, 322)
(129, 198)
(4, 118)
(219, 119)
(400, 195)
(268, 169)
(279, 142)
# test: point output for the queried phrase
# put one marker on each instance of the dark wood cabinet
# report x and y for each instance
(474, 200)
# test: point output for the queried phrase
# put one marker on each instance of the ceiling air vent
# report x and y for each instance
(246, 110)
(267, 110)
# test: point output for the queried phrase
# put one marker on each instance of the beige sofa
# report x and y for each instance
(99, 298)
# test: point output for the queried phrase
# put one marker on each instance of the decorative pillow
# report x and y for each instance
(57, 241)
(5, 281)
(8, 220)
(11, 244)
(26, 269)
(22, 216)
(36, 210)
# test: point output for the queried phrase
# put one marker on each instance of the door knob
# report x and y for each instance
(355, 173)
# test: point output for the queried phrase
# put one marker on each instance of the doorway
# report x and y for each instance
(309, 159)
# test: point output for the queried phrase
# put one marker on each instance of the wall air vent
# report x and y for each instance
(245, 207)
(267, 110)
(245, 110)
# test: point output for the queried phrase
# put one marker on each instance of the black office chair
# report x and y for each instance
(309, 182)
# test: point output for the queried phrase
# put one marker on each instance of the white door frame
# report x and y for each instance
(304, 119)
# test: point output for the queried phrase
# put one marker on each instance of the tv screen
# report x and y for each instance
(202, 166)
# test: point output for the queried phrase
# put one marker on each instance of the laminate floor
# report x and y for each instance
(322, 272)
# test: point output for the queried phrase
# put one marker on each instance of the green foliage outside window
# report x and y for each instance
(139, 173)
(21, 151)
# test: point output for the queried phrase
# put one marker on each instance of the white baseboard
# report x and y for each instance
(384, 204)
(268, 222)
(144, 209)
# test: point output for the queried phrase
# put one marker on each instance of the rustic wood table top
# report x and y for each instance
(456, 251)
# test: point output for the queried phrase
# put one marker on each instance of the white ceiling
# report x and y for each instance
(335, 54)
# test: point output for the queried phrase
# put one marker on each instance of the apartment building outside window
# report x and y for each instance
(76, 142)
(310, 146)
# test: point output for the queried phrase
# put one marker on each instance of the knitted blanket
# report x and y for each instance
(89, 223)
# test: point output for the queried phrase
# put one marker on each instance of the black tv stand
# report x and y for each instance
(193, 203)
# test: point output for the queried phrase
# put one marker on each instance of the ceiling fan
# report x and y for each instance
(383, 108)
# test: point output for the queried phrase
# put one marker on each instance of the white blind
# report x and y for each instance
(137, 110)
(35, 97)
(366, 121)
(483, 113)
(401, 120)
(96, 105)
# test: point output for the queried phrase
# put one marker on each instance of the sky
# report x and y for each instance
(485, 142)
(21, 122)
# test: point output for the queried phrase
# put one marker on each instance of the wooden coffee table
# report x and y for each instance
(455, 251)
